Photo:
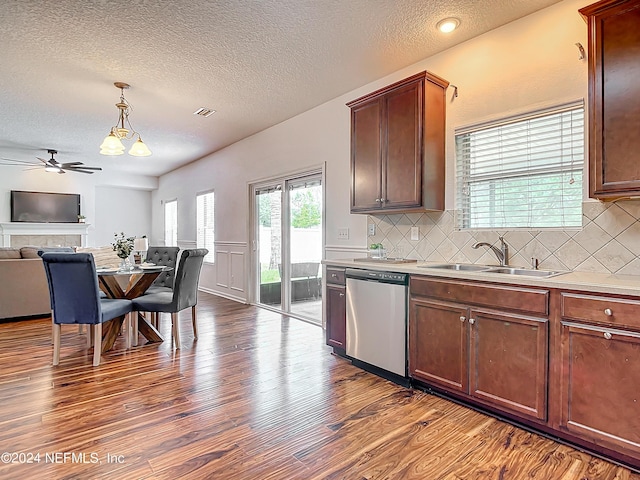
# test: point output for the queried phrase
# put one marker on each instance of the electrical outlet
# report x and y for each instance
(343, 233)
(415, 233)
(372, 229)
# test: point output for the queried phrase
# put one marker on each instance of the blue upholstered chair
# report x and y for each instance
(183, 295)
(75, 298)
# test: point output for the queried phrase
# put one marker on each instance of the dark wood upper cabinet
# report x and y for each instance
(614, 98)
(398, 147)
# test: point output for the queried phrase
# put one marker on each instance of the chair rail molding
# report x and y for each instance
(7, 230)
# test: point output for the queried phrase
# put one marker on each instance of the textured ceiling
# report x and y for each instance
(256, 62)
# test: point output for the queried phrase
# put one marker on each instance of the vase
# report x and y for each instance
(125, 265)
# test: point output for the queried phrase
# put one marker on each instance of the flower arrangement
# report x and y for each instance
(123, 246)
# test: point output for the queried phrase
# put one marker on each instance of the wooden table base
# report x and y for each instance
(137, 285)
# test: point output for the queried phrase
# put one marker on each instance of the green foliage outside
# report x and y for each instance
(305, 208)
(269, 276)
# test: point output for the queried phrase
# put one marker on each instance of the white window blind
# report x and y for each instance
(205, 224)
(524, 172)
(171, 223)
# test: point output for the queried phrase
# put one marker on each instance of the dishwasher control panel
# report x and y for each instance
(373, 275)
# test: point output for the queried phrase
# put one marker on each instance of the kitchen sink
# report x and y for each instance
(458, 266)
(465, 267)
(524, 272)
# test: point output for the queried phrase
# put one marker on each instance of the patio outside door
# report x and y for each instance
(288, 248)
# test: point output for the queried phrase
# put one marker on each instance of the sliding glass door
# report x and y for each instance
(288, 247)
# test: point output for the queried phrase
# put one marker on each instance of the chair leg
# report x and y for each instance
(53, 328)
(134, 329)
(128, 332)
(89, 336)
(80, 329)
(97, 344)
(56, 343)
(193, 320)
(176, 329)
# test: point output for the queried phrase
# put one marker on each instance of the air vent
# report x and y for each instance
(204, 112)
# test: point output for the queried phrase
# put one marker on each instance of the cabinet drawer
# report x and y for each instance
(503, 297)
(601, 309)
(335, 276)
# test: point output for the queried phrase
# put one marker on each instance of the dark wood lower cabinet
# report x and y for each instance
(498, 359)
(508, 358)
(336, 317)
(438, 339)
(336, 309)
(600, 386)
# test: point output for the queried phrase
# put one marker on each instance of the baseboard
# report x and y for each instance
(224, 295)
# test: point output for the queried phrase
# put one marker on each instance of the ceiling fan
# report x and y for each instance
(52, 165)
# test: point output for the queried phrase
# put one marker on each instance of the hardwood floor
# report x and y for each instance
(257, 396)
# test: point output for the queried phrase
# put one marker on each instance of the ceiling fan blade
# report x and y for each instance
(78, 170)
(82, 168)
(11, 161)
(71, 164)
(46, 162)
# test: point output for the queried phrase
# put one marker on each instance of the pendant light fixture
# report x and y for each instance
(112, 144)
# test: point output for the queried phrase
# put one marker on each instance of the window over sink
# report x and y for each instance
(522, 172)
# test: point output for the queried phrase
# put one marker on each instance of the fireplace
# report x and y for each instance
(20, 234)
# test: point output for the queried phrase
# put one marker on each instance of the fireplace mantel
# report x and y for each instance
(44, 229)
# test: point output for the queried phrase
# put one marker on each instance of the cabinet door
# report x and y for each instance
(508, 358)
(438, 339)
(614, 95)
(402, 147)
(600, 379)
(366, 158)
(336, 316)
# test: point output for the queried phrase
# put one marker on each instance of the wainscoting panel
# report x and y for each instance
(227, 277)
(237, 269)
(222, 268)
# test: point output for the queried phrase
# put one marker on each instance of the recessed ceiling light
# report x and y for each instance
(448, 25)
(204, 112)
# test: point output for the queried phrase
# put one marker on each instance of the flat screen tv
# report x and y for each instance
(42, 207)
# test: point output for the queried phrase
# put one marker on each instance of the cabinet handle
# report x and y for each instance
(472, 321)
(334, 275)
(341, 294)
(607, 335)
(608, 312)
(378, 200)
(462, 318)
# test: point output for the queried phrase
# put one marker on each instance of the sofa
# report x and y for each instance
(24, 291)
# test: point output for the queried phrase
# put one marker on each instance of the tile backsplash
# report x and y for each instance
(608, 242)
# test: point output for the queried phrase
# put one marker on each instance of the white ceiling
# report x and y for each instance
(256, 62)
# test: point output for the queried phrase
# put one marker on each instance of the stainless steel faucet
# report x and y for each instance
(502, 253)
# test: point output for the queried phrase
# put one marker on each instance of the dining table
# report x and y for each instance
(129, 284)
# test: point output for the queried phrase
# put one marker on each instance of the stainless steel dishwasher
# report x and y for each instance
(377, 322)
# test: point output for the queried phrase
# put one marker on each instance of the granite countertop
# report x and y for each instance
(586, 281)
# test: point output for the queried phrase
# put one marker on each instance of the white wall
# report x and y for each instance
(104, 198)
(524, 65)
(118, 210)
